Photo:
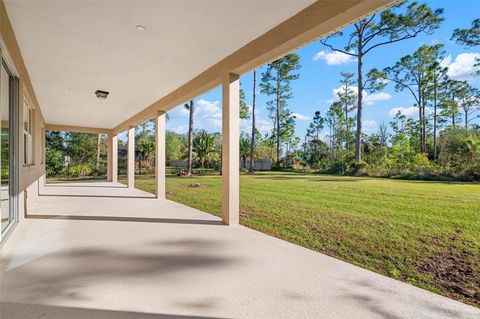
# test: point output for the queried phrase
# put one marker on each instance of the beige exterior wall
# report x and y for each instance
(29, 175)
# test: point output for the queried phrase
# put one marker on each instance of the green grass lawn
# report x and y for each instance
(424, 233)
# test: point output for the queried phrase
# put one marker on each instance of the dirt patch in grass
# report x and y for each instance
(195, 185)
(248, 213)
(244, 213)
(455, 270)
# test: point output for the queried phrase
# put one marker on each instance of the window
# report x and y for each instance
(27, 134)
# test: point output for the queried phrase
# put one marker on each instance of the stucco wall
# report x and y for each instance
(29, 175)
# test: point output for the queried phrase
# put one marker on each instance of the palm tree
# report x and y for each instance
(203, 146)
(145, 143)
(244, 148)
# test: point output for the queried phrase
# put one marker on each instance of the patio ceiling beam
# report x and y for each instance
(314, 22)
(77, 129)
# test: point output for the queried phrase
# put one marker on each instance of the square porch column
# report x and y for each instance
(230, 149)
(131, 157)
(160, 155)
(112, 158)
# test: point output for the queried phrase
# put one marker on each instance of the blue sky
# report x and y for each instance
(320, 75)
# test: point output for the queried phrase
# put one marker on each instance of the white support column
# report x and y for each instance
(230, 149)
(109, 157)
(160, 155)
(114, 156)
(131, 157)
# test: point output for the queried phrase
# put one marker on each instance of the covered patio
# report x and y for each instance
(103, 250)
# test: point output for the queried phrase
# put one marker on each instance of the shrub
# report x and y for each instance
(77, 170)
(54, 162)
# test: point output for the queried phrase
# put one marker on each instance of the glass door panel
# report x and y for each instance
(6, 212)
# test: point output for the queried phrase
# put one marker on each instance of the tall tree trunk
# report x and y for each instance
(358, 137)
(140, 165)
(466, 120)
(252, 141)
(424, 125)
(190, 139)
(420, 117)
(347, 131)
(278, 121)
(435, 117)
(453, 110)
(331, 141)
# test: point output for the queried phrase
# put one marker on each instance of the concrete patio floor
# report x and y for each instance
(102, 250)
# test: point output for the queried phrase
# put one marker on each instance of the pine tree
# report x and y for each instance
(381, 29)
(413, 73)
(276, 84)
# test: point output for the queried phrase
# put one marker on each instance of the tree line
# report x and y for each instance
(443, 140)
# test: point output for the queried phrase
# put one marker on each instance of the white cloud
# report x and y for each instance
(262, 125)
(207, 116)
(210, 112)
(208, 109)
(335, 92)
(334, 58)
(463, 67)
(369, 99)
(180, 129)
(369, 126)
(407, 111)
(411, 111)
(301, 117)
(446, 62)
(246, 125)
(178, 112)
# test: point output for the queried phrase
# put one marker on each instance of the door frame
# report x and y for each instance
(14, 141)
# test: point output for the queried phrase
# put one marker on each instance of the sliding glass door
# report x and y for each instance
(8, 147)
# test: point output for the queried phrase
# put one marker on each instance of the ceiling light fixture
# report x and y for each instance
(140, 28)
(101, 94)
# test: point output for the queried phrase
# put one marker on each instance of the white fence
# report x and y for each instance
(178, 164)
(258, 165)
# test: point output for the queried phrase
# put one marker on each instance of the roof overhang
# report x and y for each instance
(73, 48)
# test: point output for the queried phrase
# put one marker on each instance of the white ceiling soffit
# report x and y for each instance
(73, 48)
